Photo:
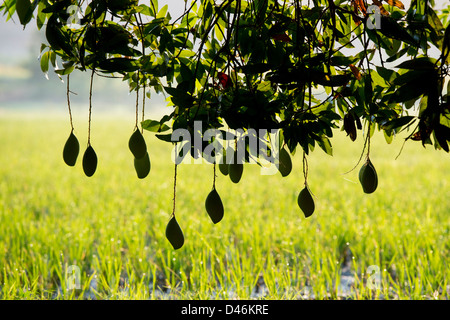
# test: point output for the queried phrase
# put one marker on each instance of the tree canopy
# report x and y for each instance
(302, 67)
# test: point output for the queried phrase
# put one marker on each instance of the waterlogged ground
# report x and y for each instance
(393, 244)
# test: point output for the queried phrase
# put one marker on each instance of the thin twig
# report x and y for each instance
(90, 107)
(214, 177)
(143, 106)
(401, 149)
(137, 103)
(174, 190)
(68, 102)
(368, 140)
(140, 27)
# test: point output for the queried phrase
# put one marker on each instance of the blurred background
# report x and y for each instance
(25, 89)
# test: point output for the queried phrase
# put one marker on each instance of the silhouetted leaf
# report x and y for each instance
(397, 123)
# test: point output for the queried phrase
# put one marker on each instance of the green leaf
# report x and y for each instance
(162, 12)
(409, 104)
(8, 7)
(56, 6)
(154, 4)
(442, 135)
(410, 76)
(338, 60)
(409, 91)
(397, 123)
(422, 63)
(218, 32)
(180, 97)
(44, 61)
(119, 5)
(175, 92)
(392, 29)
(65, 71)
(325, 144)
(154, 126)
(387, 74)
(145, 10)
(368, 90)
(52, 58)
(398, 55)
(185, 72)
(331, 81)
(378, 80)
(256, 68)
(446, 45)
(435, 24)
(56, 37)
(41, 16)
(393, 49)
(388, 136)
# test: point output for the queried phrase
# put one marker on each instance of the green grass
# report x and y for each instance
(112, 225)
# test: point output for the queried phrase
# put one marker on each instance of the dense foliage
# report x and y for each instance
(257, 63)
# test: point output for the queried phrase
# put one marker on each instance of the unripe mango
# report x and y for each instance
(137, 144)
(368, 177)
(142, 166)
(71, 150)
(306, 202)
(223, 166)
(235, 169)
(89, 161)
(174, 234)
(285, 163)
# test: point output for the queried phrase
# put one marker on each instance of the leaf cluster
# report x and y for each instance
(264, 64)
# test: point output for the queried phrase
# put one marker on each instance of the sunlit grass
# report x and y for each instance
(112, 225)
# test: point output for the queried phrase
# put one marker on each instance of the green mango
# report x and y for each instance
(235, 169)
(285, 163)
(142, 166)
(89, 161)
(174, 234)
(368, 177)
(223, 166)
(137, 144)
(214, 206)
(306, 202)
(71, 150)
